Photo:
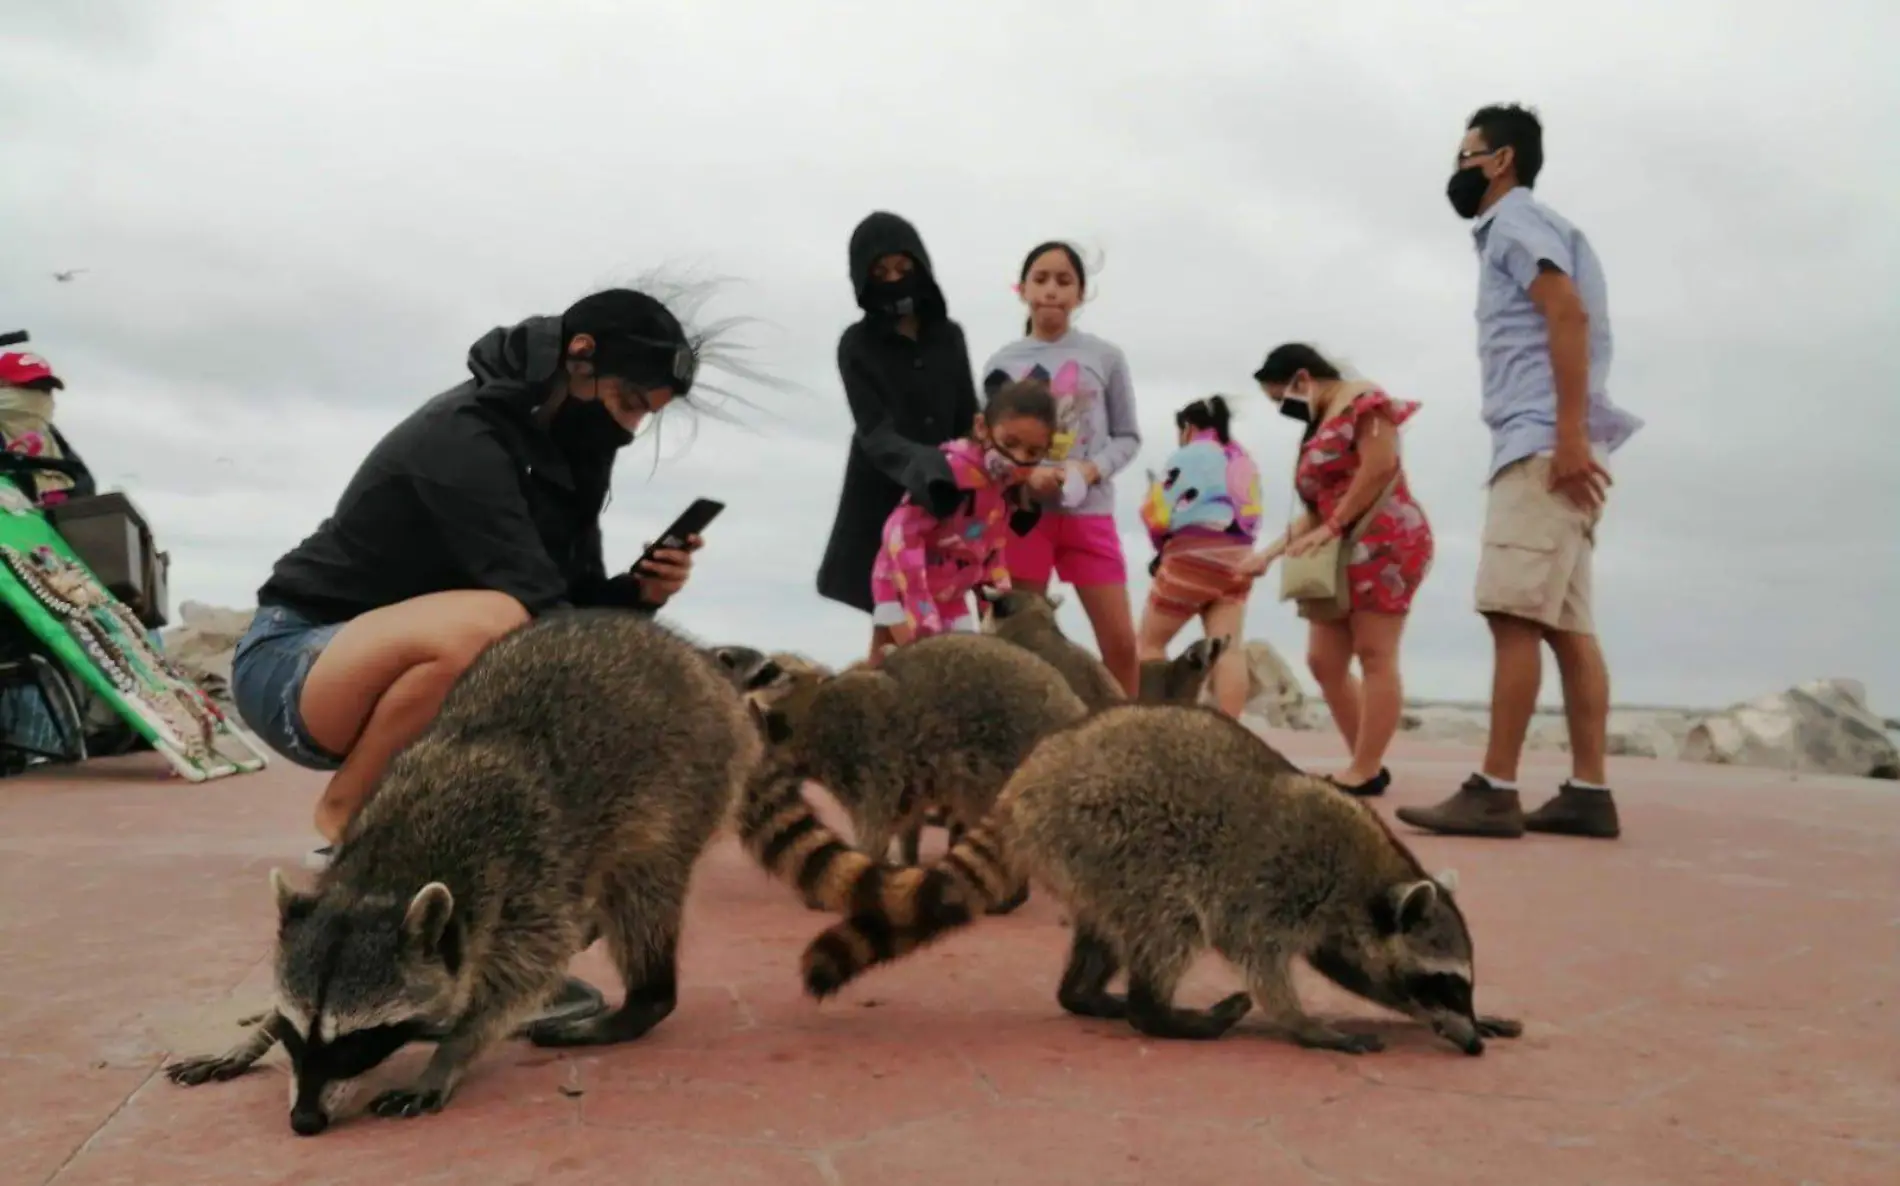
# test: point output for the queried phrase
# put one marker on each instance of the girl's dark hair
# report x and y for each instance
(1075, 261)
(1024, 397)
(1290, 359)
(1206, 413)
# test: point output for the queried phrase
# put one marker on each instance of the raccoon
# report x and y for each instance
(567, 786)
(941, 722)
(1170, 829)
(1028, 619)
(1182, 679)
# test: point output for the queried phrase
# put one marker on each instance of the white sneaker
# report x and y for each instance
(318, 858)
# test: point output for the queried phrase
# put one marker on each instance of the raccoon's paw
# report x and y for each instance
(190, 1072)
(408, 1101)
(1499, 1027)
(1013, 902)
(1230, 1009)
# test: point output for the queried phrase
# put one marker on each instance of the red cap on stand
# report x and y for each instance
(22, 370)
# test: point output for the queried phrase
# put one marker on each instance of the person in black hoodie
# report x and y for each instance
(907, 377)
(477, 512)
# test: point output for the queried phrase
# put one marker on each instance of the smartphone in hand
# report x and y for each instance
(693, 520)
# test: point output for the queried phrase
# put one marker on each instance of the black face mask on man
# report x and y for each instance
(1466, 190)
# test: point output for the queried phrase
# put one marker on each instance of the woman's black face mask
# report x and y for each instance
(585, 427)
(896, 298)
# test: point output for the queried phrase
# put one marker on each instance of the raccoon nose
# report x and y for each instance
(308, 1122)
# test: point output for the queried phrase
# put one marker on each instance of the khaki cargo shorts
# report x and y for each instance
(1536, 550)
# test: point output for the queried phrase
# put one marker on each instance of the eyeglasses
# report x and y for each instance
(1472, 154)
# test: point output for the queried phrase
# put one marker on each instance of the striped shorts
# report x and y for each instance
(1197, 574)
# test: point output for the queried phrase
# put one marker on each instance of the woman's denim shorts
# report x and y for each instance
(267, 673)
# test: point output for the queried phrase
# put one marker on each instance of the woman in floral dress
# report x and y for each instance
(1349, 456)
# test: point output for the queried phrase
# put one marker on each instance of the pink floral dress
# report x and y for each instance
(1391, 559)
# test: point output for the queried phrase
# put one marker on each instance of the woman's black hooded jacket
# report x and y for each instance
(907, 397)
(467, 492)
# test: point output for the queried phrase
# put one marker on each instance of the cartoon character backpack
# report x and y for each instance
(1192, 492)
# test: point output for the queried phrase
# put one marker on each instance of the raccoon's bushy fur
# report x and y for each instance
(1167, 830)
(566, 788)
(1028, 619)
(940, 722)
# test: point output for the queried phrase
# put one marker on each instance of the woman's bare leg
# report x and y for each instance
(1114, 625)
(1375, 642)
(1228, 619)
(1329, 658)
(381, 680)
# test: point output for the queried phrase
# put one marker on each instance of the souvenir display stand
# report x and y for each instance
(99, 639)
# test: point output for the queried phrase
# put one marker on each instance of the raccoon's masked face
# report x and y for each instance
(357, 982)
(740, 664)
(1180, 680)
(1416, 960)
(781, 700)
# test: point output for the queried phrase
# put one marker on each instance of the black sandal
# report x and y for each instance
(1369, 789)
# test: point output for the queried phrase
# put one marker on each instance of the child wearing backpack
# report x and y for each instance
(1203, 515)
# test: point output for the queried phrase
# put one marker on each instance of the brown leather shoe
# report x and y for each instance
(1477, 809)
(1576, 811)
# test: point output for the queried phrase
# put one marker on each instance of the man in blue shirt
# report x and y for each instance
(1544, 350)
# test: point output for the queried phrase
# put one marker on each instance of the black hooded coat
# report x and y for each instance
(907, 397)
(467, 492)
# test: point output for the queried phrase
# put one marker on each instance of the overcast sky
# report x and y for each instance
(298, 216)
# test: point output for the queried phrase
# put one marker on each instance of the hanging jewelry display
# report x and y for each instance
(149, 683)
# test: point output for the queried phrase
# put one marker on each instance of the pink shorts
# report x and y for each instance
(1083, 550)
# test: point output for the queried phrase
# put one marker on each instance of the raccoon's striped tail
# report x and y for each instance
(974, 875)
(784, 834)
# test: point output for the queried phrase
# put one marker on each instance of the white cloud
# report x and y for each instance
(298, 217)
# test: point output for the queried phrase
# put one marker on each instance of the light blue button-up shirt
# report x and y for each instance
(1520, 392)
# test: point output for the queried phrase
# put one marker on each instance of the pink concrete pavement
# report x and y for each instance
(1711, 999)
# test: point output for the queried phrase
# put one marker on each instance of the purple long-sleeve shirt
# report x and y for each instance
(1095, 404)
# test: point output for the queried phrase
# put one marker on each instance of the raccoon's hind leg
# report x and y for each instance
(190, 1072)
(910, 846)
(1268, 975)
(1157, 958)
(642, 926)
(1092, 964)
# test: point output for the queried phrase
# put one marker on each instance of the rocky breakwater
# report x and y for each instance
(1820, 727)
(202, 641)
(1823, 727)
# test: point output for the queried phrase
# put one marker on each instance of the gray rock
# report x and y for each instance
(1273, 690)
(1822, 727)
(203, 642)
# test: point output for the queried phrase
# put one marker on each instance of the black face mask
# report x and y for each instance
(1466, 190)
(895, 298)
(585, 429)
(1297, 409)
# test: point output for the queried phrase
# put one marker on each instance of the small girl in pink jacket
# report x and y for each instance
(927, 567)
